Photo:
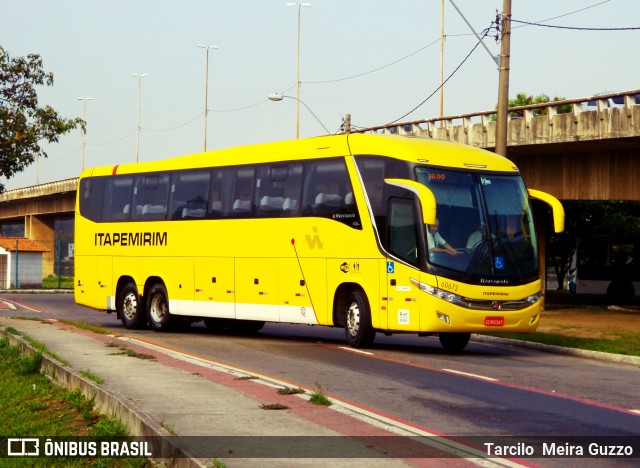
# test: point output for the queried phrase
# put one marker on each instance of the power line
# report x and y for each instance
(484, 34)
(570, 13)
(574, 28)
(375, 69)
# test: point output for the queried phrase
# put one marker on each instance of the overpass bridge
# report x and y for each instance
(578, 149)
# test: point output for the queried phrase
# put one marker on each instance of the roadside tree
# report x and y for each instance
(24, 124)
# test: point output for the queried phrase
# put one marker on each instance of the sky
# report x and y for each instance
(373, 59)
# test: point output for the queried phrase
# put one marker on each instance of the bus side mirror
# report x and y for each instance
(556, 207)
(426, 197)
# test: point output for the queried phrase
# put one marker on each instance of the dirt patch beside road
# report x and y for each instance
(590, 322)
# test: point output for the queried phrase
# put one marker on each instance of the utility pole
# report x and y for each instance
(503, 86)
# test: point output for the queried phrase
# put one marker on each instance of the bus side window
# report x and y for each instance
(325, 187)
(189, 194)
(117, 198)
(403, 230)
(278, 189)
(92, 196)
(329, 194)
(215, 199)
(150, 197)
(241, 192)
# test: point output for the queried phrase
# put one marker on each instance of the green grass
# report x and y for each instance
(88, 326)
(36, 345)
(32, 406)
(318, 397)
(91, 376)
(627, 343)
(128, 352)
(52, 282)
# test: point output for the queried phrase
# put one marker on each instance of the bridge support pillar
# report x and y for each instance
(42, 229)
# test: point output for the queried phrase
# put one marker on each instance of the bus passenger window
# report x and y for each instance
(91, 201)
(278, 189)
(328, 192)
(189, 194)
(150, 197)
(117, 199)
(241, 193)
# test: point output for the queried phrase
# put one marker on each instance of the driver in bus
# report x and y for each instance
(477, 236)
(435, 241)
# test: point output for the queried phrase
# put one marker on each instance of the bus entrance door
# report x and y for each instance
(402, 297)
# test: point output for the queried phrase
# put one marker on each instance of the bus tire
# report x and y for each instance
(158, 308)
(130, 308)
(620, 292)
(358, 329)
(454, 342)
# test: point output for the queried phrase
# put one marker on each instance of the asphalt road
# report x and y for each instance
(487, 389)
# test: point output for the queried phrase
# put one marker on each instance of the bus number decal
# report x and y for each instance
(449, 286)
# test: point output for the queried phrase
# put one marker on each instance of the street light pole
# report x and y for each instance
(140, 76)
(206, 89)
(280, 97)
(84, 127)
(299, 5)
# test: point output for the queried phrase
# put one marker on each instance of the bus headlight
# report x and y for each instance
(439, 293)
(533, 298)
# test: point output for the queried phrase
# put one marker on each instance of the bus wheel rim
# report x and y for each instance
(158, 308)
(130, 306)
(353, 319)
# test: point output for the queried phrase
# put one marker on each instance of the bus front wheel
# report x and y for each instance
(130, 308)
(158, 308)
(358, 329)
(454, 342)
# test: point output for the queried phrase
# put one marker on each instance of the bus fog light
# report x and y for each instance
(533, 319)
(444, 318)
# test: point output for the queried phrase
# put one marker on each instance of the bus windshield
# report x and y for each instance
(487, 219)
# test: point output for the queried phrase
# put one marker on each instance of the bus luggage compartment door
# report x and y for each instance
(257, 289)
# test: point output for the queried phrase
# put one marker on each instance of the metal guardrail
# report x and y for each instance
(49, 188)
(625, 99)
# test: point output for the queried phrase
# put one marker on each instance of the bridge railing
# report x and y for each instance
(441, 127)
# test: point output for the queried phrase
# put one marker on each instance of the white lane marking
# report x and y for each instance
(468, 374)
(470, 454)
(355, 350)
(637, 411)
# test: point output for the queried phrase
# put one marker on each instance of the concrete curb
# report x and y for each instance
(598, 355)
(109, 402)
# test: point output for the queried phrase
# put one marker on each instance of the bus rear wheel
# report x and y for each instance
(620, 292)
(158, 314)
(454, 342)
(130, 308)
(358, 329)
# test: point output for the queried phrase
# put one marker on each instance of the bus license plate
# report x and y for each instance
(494, 321)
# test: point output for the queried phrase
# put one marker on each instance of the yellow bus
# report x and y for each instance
(333, 230)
